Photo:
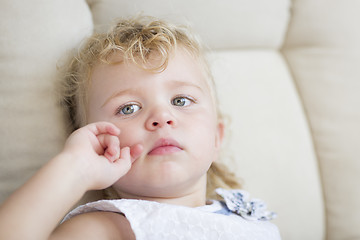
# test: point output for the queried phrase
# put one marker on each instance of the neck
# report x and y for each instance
(191, 197)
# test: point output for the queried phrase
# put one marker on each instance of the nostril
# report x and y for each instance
(158, 124)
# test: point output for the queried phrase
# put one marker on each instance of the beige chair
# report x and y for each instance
(288, 76)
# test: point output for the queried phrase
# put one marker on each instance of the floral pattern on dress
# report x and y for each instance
(239, 202)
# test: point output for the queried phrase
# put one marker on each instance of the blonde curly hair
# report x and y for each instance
(135, 40)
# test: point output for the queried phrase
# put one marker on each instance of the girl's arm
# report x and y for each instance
(95, 225)
(91, 160)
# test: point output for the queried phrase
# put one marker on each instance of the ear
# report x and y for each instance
(220, 129)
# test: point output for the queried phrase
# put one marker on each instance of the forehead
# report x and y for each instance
(182, 66)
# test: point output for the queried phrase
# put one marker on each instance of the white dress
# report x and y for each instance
(156, 221)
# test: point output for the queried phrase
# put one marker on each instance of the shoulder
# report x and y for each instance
(95, 225)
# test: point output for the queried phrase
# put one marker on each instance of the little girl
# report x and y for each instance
(147, 128)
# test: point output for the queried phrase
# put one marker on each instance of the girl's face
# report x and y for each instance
(171, 114)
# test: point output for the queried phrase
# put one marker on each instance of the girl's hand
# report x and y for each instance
(95, 151)
(91, 159)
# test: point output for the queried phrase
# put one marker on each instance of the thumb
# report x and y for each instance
(135, 151)
(124, 161)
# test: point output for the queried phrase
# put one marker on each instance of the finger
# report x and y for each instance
(111, 144)
(125, 153)
(135, 151)
(103, 128)
(124, 162)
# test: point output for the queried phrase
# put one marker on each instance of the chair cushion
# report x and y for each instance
(221, 25)
(269, 143)
(34, 36)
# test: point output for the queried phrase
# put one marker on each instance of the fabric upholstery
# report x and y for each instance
(324, 56)
(287, 74)
(222, 25)
(35, 37)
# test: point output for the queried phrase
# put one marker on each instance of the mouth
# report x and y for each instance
(165, 146)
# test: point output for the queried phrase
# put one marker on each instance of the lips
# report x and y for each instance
(165, 146)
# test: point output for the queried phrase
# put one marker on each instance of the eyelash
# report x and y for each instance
(191, 99)
(119, 110)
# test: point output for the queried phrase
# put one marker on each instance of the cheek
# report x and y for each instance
(129, 135)
(203, 133)
(203, 123)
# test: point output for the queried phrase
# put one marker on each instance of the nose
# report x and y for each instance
(160, 118)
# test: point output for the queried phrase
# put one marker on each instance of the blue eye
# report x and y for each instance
(181, 101)
(128, 109)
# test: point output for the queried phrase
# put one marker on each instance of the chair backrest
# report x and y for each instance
(287, 74)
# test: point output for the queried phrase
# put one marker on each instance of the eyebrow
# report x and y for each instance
(120, 93)
(175, 83)
(185, 83)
